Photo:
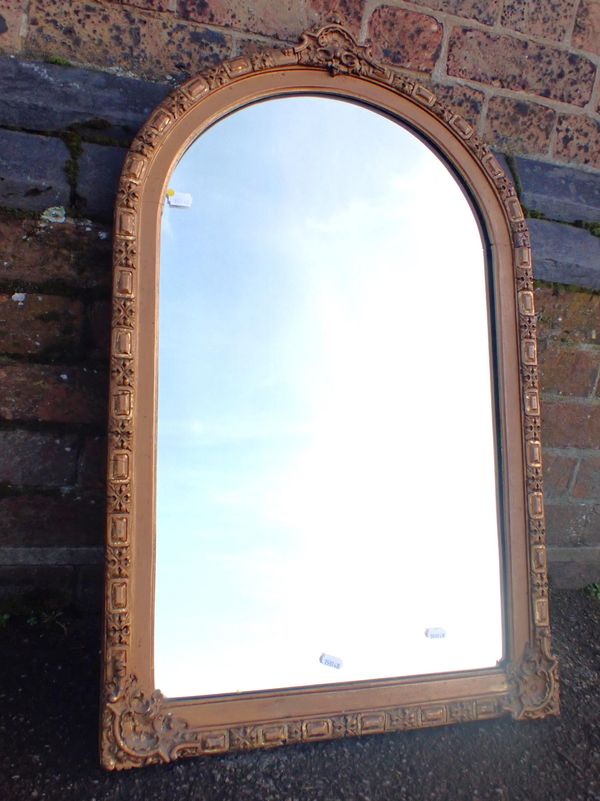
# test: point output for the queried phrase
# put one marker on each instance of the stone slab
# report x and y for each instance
(32, 174)
(51, 97)
(50, 556)
(99, 170)
(565, 254)
(573, 568)
(560, 193)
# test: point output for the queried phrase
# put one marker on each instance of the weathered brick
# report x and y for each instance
(565, 254)
(518, 125)
(99, 317)
(586, 34)
(578, 140)
(486, 11)
(560, 193)
(69, 519)
(463, 99)
(151, 5)
(286, 19)
(569, 523)
(99, 171)
(51, 394)
(89, 588)
(23, 587)
(92, 463)
(551, 19)
(567, 370)
(46, 326)
(348, 12)
(50, 97)
(587, 484)
(570, 425)
(568, 316)
(13, 19)
(32, 171)
(405, 38)
(521, 65)
(149, 45)
(32, 458)
(52, 256)
(558, 472)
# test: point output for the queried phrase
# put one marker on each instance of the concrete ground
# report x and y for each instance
(49, 678)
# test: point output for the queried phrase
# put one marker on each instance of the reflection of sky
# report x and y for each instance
(325, 462)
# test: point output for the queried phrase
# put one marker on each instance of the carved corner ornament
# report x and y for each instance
(534, 683)
(137, 729)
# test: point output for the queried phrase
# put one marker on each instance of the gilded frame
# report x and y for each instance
(138, 725)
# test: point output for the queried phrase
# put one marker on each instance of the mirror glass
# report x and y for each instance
(326, 484)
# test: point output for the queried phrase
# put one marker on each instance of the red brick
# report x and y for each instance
(150, 5)
(587, 484)
(72, 519)
(23, 587)
(463, 99)
(568, 371)
(50, 394)
(99, 317)
(569, 524)
(518, 126)
(36, 459)
(46, 326)
(92, 463)
(568, 316)
(570, 425)
(53, 256)
(89, 588)
(149, 45)
(509, 63)
(558, 472)
(551, 19)
(405, 38)
(348, 12)
(578, 140)
(586, 34)
(486, 11)
(12, 25)
(285, 19)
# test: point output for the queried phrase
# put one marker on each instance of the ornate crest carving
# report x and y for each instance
(137, 730)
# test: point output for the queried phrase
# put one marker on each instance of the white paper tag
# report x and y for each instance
(181, 200)
(331, 661)
(436, 633)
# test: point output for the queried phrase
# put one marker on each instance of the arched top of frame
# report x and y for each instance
(334, 50)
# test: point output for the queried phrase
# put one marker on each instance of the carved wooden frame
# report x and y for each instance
(139, 726)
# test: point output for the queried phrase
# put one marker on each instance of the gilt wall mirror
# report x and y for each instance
(325, 510)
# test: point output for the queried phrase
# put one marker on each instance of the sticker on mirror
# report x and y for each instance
(179, 199)
(331, 661)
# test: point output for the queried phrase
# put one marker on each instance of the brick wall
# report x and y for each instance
(525, 73)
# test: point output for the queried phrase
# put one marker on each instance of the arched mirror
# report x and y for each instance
(325, 504)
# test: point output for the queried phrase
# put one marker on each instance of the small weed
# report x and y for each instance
(62, 62)
(4, 618)
(593, 590)
(53, 618)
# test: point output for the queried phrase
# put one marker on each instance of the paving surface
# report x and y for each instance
(48, 737)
